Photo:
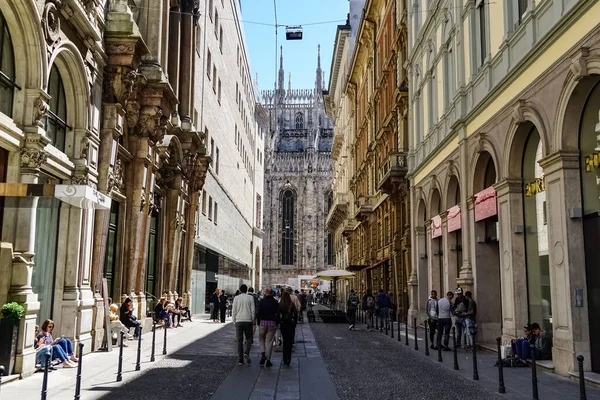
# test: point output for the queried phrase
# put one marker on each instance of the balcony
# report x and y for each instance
(364, 207)
(348, 227)
(393, 169)
(338, 211)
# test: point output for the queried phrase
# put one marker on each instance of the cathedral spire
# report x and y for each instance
(290, 82)
(319, 82)
(281, 73)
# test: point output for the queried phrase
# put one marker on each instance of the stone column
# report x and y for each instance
(174, 48)
(413, 280)
(567, 260)
(513, 272)
(466, 271)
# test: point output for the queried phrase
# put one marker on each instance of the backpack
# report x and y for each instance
(353, 300)
(370, 302)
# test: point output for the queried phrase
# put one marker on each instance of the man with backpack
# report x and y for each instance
(352, 305)
(432, 309)
(369, 307)
(383, 303)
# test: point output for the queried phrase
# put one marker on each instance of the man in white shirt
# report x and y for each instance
(445, 320)
(243, 315)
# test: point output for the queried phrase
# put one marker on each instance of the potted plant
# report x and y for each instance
(9, 334)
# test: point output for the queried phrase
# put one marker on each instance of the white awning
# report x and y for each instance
(82, 196)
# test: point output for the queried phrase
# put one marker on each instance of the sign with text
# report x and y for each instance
(485, 204)
(454, 219)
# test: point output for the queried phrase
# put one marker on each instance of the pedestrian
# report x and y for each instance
(214, 305)
(444, 320)
(310, 298)
(243, 314)
(383, 304)
(222, 306)
(351, 306)
(288, 317)
(369, 307)
(460, 307)
(470, 321)
(267, 319)
(431, 307)
(256, 300)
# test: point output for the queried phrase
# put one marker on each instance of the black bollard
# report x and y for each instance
(387, 322)
(392, 327)
(454, 349)
(439, 346)
(426, 340)
(582, 395)
(153, 340)
(501, 388)
(78, 378)
(475, 371)
(406, 331)
(376, 320)
(534, 381)
(45, 381)
(1, 374)
(139, 354)
(398, 320)
(165, 341)
(120, 367)
(416, 337)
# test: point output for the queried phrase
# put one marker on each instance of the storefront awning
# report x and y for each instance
(454, 219)
(377, 264)
(485, 204)
(81, 196)
(356, 267)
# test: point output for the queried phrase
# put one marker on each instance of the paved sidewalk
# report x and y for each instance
(306, 378)
(193, 368)
(518, 381)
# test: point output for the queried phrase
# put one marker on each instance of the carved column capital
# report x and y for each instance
(32, 159)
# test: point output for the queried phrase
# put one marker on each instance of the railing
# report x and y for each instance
(394, 166)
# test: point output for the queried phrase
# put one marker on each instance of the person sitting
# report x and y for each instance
(116, 325)
(128, 319)
(62, 348)
(161, 313)
(43, 352)
(520, 346)
(183, 311)
(543, 343)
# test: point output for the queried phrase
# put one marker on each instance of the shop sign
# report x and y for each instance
(436, 227)
(485, 204)
(535, 187)
(592, 162)
(454, 219)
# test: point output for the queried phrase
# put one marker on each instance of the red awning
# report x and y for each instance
(454, 218)
(378, 263)
(485, 204)
(436, 227)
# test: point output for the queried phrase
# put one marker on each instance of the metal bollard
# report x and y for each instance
(392, 327)
(398, 320)
(120, 367)
(454, 349)
(45, 381)
(78, 378)
(139, 353)
(416, 337)
(426, 340)
(501, 388)
(475, 371)
(376, 321)
(439, 346)
(153, 341)
(406, 331)
(387, 322)
(165, 341)
(534, 380)
(1, 374)
(582, 395)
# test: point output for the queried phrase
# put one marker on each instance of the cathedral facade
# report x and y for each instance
(298, 176)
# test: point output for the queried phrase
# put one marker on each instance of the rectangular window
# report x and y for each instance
(216, 23)
(214, 79)
(522, 8)
(237, 91)
(236, 134)
(219, 92)
(258, 210)
(208, 63)
(215, 213)
(198, 41)
(221, 40)
(204, 202)
(212, 151)
(482, 31)
(217, 162)
(210, 8)
(210, 208)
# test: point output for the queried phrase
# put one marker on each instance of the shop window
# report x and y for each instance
(7, 69)
(55, 121)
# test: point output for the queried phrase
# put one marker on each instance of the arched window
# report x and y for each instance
(7, 69)
(329, 201)
(299, 121)
(56, 120)
(287, 227)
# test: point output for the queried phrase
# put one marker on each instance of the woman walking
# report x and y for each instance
(288, 315)
(214, 300)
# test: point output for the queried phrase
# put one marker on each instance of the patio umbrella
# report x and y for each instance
(333, 274)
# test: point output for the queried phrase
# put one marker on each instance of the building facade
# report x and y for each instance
(371, 215)
(228, 237)
(297, 184)
(503, 165)
(102, 162)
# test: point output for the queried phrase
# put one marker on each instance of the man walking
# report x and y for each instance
(431, 307)
(243, 313)
(267, 318)
(383, 302)
(444, 320)
(352, 305)
(369, 307)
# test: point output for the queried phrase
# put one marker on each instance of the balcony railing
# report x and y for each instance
(393, 169)
(364, 207)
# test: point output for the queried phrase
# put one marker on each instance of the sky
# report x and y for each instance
(299, 56)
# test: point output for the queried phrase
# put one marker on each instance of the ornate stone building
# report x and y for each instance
(504, 166)
(297, 186)
(101, 162)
